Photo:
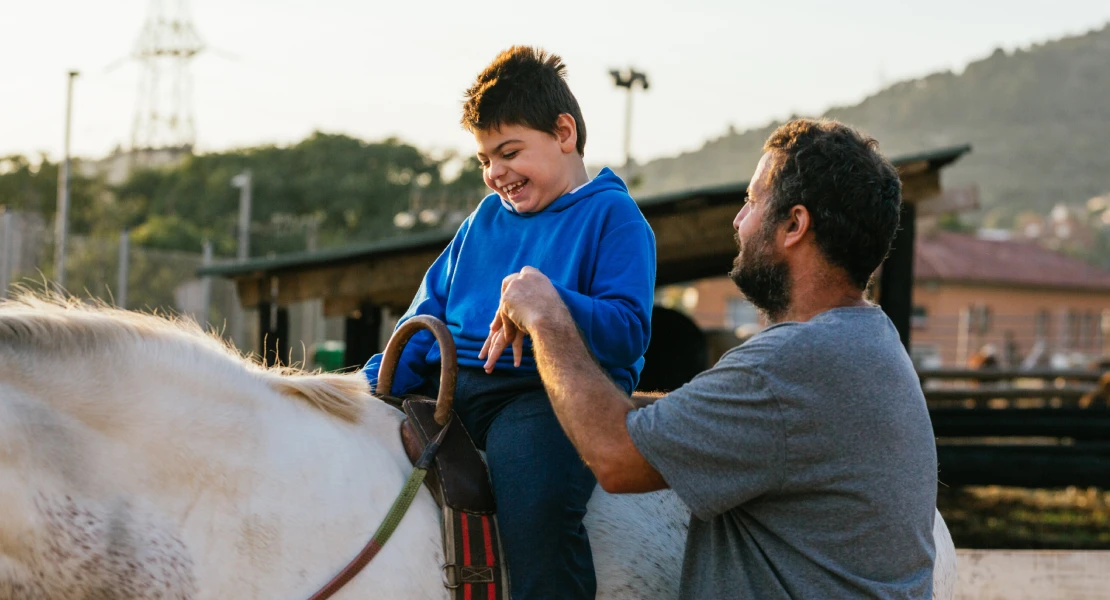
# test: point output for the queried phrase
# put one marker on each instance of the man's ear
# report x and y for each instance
(798, 224)
(566, 133)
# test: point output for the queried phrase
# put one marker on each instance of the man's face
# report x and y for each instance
(524, 166)
(760, 274)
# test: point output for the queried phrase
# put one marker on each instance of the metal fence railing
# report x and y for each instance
(1061, 338)
(111, 270)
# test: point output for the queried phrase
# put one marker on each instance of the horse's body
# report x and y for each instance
(142, 459)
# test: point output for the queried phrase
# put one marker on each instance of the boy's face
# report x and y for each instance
(528, 168)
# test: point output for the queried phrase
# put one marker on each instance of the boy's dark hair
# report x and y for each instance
(853, 194)
(522, 86)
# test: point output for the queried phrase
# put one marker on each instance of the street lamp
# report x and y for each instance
(243, 182)
(61, 217)
(627, 79)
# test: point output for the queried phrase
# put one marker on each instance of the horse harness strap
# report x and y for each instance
(392, 519)
(459, 482)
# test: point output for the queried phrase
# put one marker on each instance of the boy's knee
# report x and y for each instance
(535, 510)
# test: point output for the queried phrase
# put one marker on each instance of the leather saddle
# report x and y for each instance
(459, 478)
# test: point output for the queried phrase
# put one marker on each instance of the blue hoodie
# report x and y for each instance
(594, 245)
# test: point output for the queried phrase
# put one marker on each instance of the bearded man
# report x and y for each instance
(806, 455)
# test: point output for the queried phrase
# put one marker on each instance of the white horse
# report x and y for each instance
(141, 458)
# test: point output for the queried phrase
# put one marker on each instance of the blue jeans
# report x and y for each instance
(540, 483)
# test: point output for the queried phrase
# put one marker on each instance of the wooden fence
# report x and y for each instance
(1046, 428)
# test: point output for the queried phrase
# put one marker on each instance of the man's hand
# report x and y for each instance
(526, 297)
(589, 406)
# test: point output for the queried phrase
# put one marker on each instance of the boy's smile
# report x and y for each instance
(530, 168)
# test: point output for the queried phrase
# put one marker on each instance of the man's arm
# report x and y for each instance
(589, 406)
(642, 399)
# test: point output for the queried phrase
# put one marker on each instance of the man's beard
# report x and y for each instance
(764, 281)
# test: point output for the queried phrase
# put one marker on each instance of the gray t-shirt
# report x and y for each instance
(808, 460)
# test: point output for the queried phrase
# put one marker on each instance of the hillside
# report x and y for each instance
(1038, 120)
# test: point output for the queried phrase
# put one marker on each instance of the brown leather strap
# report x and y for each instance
(448, 370)
(379, 538)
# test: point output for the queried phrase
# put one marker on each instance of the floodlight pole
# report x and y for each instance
(244, 182)
(628, 79)
(61, 217)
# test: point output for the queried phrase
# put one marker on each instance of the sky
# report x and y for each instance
(277, 70)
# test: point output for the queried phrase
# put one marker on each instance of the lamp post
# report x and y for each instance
(627, 79)
(244, 182)
(61, 217)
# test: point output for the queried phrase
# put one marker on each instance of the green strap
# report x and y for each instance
(386, 529)
(400, 506)
(412, 486)
(389, 523)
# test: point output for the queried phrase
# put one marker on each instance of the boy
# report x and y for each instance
(590, 239)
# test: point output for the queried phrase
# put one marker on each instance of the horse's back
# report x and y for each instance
(637, 542)
(944, 569)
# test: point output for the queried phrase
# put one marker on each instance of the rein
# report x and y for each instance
(389, 524)
(448, 373)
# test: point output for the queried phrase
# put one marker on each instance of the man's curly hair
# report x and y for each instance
(853, 193)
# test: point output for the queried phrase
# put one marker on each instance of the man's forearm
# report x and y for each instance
(590, 407)
(642, 399)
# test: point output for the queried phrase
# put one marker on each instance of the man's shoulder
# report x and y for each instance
(827, 331)
(763, 346)
(783, 346)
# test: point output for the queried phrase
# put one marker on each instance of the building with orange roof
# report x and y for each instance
(1025, 304)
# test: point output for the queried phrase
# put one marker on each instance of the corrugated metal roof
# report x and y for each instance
(955, 257)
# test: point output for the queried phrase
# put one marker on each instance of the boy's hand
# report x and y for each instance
(526, 298)
(502, 333)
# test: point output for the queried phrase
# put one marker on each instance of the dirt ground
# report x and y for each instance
(1018, 518)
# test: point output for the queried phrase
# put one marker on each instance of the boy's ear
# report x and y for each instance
(566, 133)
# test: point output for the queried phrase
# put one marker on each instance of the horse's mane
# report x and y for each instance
(61, 327)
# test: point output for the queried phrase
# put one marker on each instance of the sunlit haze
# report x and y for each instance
(275, 71)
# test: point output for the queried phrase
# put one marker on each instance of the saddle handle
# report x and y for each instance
(449, 365)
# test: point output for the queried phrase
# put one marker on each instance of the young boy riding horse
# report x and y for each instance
(589, 237)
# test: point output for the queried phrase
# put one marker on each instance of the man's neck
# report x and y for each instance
(814, 293)
(807, 311)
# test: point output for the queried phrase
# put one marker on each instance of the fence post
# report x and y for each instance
(7, 254)
(206, 285)
(963, 332)
(124, 268)
(1105, 336)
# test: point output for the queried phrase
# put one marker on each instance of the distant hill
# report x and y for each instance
(1038, 120)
